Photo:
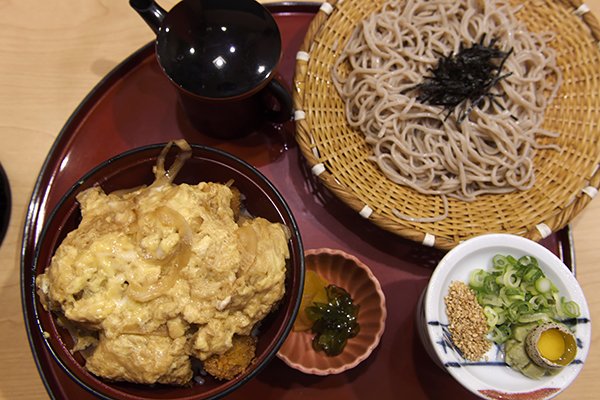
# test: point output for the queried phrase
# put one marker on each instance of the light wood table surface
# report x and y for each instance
(52, 53)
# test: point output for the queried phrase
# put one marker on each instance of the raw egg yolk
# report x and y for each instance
(551, 344)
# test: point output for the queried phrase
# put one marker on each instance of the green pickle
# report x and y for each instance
(335, 322)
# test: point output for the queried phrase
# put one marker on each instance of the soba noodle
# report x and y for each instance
(414, 144)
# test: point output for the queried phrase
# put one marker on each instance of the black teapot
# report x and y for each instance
(222, 55)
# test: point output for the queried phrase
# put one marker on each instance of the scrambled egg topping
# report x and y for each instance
(162, 273)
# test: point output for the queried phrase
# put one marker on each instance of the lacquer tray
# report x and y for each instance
(135, 105)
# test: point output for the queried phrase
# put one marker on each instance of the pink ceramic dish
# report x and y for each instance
(348, 272)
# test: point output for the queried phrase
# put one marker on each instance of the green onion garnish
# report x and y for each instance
(516, 292)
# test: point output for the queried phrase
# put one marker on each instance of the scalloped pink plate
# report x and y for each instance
(348, 272)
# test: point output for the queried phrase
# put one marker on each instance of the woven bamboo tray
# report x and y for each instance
(565, 181)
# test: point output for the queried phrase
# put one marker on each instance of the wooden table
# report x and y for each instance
(52, 53)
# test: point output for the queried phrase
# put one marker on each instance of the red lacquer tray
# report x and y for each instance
(136, 105)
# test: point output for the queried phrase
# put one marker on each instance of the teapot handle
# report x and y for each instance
(150, 12)
(284, 99)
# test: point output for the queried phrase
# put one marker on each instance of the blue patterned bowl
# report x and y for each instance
(492, 378)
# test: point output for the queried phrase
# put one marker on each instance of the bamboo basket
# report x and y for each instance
(566, 181)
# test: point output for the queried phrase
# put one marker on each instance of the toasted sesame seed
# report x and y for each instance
(467, 322)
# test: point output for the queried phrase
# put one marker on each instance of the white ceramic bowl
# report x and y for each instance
(493, 379)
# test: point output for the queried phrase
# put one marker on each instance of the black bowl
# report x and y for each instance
(134, 168)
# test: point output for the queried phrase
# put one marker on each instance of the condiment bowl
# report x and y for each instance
(132, 169)
(491, 377)
(348, 272)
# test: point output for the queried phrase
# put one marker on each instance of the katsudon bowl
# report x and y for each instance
(133, 169)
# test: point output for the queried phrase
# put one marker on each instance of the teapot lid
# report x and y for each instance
(219, 48)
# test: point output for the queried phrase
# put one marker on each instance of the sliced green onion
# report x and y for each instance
(532, 273)
(501, 315)
(516, 292)
(486, 299)
(543, 285)
(490, 286)
(499, 262)
(509, 295)
(527, 261)
(536, 317)
(510, 278)
(500, 333)
(538, 302)
(555, 301)
(491, 315)
(517, 309)
(477, 278)
(512, 261)
(570, 308)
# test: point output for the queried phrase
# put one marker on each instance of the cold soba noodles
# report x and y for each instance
(482, 145)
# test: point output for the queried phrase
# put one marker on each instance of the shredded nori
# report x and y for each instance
(466, 77)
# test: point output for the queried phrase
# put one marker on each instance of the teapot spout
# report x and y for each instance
(150, 11)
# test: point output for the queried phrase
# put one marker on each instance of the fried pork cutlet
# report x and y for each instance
(234, 361)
